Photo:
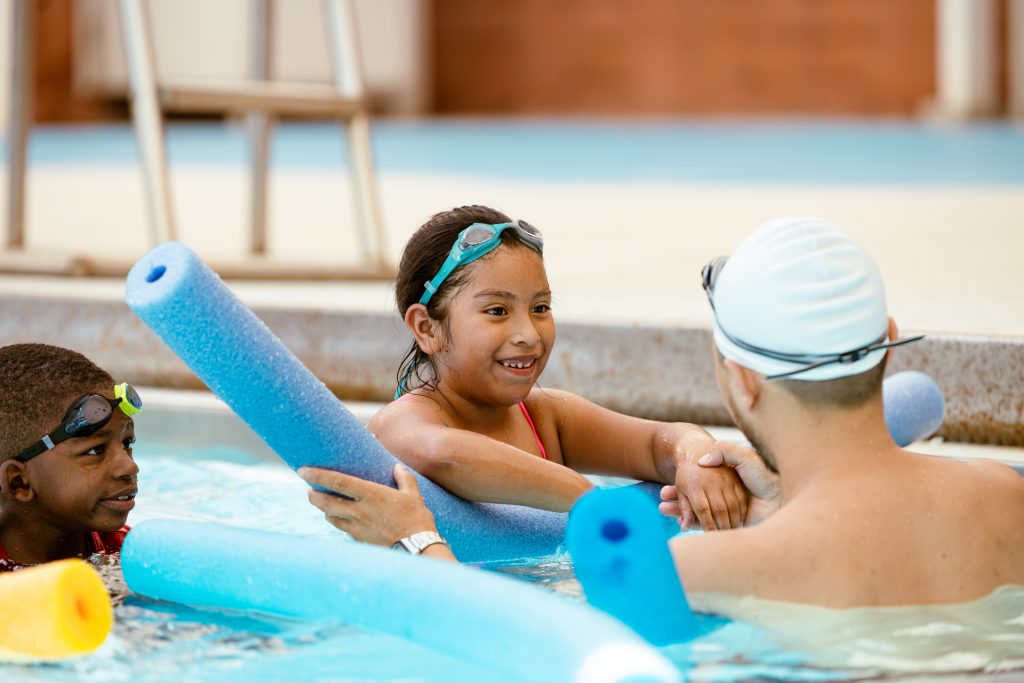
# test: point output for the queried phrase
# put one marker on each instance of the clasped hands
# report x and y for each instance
(713, 497)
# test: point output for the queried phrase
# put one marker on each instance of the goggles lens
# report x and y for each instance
(709, 274)
(130, 402)
(529, 229)
(86, 415)
(476, 235)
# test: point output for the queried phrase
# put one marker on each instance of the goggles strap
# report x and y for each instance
(846, 357)
(75, 424)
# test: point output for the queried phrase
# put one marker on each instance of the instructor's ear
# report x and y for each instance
(893, 334)
(424, 329)
(746, 382)
(14, 482)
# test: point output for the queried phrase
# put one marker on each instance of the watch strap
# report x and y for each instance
(414, 544)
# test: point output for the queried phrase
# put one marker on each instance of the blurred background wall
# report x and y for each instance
(685, 56)
(637, 57)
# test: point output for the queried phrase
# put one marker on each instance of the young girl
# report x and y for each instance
(474, 293)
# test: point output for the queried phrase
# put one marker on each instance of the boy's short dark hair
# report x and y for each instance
(37, 383)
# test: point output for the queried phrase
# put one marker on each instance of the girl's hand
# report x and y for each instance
(762, 483)
(712, 496)
(376, 513)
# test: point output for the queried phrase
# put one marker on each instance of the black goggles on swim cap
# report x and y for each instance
(86, 416)
(808, 361)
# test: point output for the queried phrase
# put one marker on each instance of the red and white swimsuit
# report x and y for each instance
(102, 542)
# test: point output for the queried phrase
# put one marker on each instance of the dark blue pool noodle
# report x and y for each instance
(621, 558)
(495, 621)
(188, 306)
(242, 361)
(914, 406)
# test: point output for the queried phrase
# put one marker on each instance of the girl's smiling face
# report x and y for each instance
(499, 330)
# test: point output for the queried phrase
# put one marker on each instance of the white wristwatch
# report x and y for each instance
(418, 542)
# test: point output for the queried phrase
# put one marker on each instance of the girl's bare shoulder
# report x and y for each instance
(411, 409)
(550, 401)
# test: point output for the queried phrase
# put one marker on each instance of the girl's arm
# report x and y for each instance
(598, 440)
(477, 467)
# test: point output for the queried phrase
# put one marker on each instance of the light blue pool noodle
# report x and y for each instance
(496, 621)
(223, 342)
(914, 406)
(622, 560)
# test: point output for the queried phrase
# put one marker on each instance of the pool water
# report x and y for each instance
(154, 641)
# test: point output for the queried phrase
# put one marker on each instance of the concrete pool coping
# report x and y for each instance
(656, 371)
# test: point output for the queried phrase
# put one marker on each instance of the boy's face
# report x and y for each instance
(87, 483)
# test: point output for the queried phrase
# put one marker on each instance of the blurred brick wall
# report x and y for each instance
(860, 57)
(54, 97)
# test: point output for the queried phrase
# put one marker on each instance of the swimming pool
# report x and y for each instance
(248, 487)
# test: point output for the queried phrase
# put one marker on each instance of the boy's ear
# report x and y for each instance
(424, 328)
(14, 481)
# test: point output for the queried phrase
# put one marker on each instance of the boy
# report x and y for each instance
(67, 477)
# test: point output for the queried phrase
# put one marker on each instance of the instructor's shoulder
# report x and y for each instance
(996, 486)
(997, 472)
(719, 561)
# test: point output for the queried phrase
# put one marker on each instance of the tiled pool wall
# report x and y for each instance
(658, 372)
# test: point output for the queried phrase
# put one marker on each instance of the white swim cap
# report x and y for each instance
(800, 292)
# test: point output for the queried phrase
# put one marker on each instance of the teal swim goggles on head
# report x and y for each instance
(477, 240)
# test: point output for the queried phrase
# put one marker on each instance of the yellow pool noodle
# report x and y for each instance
(53, 611)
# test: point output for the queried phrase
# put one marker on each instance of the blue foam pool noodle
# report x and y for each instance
(223, 342)
(914, 406)
(621, 556)
(498, 622)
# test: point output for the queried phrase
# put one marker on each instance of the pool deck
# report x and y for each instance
(944, 220)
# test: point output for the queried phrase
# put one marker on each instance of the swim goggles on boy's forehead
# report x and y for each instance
(477, 240)
(86, 416)
(808, 361)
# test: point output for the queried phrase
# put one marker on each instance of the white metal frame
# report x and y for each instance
(260, 98)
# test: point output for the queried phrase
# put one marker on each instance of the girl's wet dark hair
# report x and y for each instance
(424, 254)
